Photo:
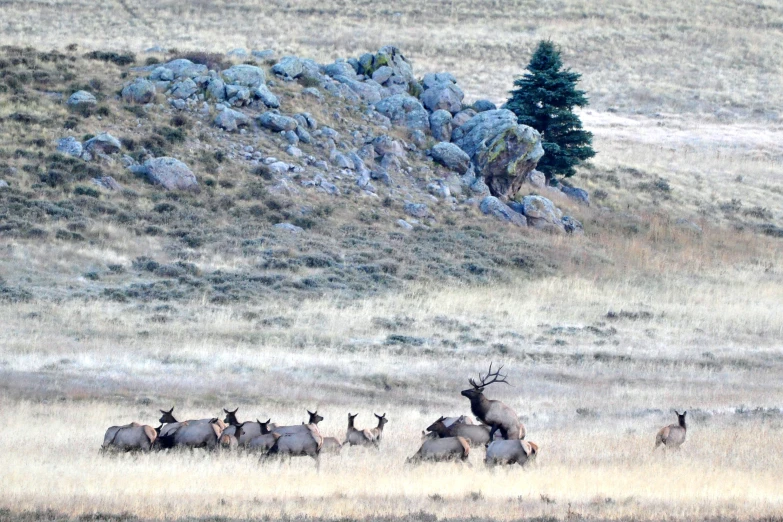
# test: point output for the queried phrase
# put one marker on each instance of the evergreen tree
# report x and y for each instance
(544, 99)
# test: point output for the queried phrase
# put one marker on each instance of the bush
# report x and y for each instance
(121, 59)
(86, 191)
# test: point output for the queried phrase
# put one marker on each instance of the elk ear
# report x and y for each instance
(677, 412)
(311, 413)
(268, 420)
(684, 413)
(235, 411)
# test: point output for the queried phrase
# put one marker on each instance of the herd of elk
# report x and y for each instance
(446, 439)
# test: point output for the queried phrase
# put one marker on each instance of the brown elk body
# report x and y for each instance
(230, 441)
(475, 435)
(251, 429)
(171, 424)
(510, 452)
(264, 440)
(302, 444)
(301, 428)
(198, 435)
(355, 436)
(331, 445)
(131, 437)
(673, 435)
(494, 414)
(377, 432)
(442, 450)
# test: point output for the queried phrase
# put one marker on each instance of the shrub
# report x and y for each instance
(86, 191)
(121, 59)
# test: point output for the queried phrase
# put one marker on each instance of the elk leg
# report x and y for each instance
(492, 433)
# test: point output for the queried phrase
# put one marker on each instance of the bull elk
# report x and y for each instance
(302, 428)
(475, 435)
(131, 437)
(441, 450)
(510, 452)
(673, 435)
(493, 413)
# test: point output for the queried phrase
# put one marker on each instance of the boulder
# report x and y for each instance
(399, 107)
(417, 210)
(245, 75)
(369, 92)
(70, 146)
(391, 57)
(418, 138)
(216, 90)
(231, 120)
(289, 67)
(503, 151)
(81, 99)
(492, 206)
(382, 74)
(183, 68)
(440, 125)
(162, 74)
(139, 91)
(3, 184)
(575, 193)
(264, 54)
(340, 68)
(542, 213)
(239, 52)
(536, 178)
(430, 80)
(266, 96)
(103, 143)
(462, 117)
(170, 173)
(384, 145)
(184, 89)
(483, 105)
(572, 226)
(238, 95)
(276, 122)
(451, 156)
(445, 95)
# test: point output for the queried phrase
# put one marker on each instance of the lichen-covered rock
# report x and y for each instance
(216, 90)
(230, 120)
(183, 68)
(404, 110)
(103, 143)
(401, 70)
(81, 99)
(246, 75)
(184, 89)
(542, 213)
(536, 178)
(170, 173)
(503, 151)
(369, 92)
(444, 95)
(492, 206)
(70, 146)
(462, 117)
(483, 106)
(266, 96)
(276, 122)
(440, 125)
(451, 156)
(290, 67)
(577, 194)
(139, 91)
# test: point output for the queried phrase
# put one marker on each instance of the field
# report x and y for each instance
(672, 299)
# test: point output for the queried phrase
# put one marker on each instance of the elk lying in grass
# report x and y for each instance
(371, 437)
(264, 440)
(172, 424)
(441, 450)
(510, 452)
(230, 441)
(251, 429)
(462, 419)
(494, 414)
(302, 428)
(131, 437)
(475, 435)
(673, 435)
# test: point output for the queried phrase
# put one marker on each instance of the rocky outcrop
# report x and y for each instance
(503, 151)
(139, 91)
(441, 92)
(492, 206)
(440, 125)
(81, 99)
(404, 110)
(170, 173)
(103, 143)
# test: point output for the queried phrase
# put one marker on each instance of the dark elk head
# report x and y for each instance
(477, 388)
(167, 416)
(231, 417)
(264, 426)
(681, 417)
(382, 420)
(314, 417)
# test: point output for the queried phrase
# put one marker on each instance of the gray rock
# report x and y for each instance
(103, 143)
(81, 99)
(451, 156)
(404, 224)
(572, 226)
(231, 120)
(382, 74)
(503, 151)
(303, 135)
(542, 213)
(267, 97)
(342, 161)
(70, 146)
(417, 210)
(384, 145)
(340, 68)
(492, 206)
(288, 227)
(179, 104)
(418, 138)
(440, 125)
(108, 183)
(276, 122)
(404, 110)
(246, 75)
(238, 95)
(313, 92)
(156, 49)
(184, 89)
(462, 117)
(577, 194)
(369, 92)
(483, 105)
(279, 167)
(183, 68)
(289, 67)
(536, 178)
(237, 53)
(266, 54)
(139, 91)
(432, 79)
(163, 74)
(291, 137)
(381, 175)
(296, 152)
(170, 173)
(216, 90)
(390, 162)
(445, 96)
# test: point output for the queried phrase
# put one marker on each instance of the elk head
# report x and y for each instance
(351, 418)
(314, 417)
(167, 416)
(238, 431)
(382, 420)
(264, 426)
(681, 417)
(438, 426)
(231, 417)
(477, 388)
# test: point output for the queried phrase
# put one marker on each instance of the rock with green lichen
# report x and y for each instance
(502, 151)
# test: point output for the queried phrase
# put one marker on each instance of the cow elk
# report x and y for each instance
(475, 435)
(230, 441)
(251, 429)
(198, 434)
(331, 445)
(264, 440)
(493, 413)
(673, 435)
(302, 428)
(377, 432)
(172, 424)
(302, 444)
(355, 436)
(510, 452)
(131, 437)
(441, 450)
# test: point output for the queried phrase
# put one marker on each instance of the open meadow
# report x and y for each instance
(670, 300)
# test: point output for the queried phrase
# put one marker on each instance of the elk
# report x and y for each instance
(198, 434)
(462, 419)
(377, 432)
(356, 437)
(164, 441)
(474, 434)
(172, 424)
(230, 441)
(302, 428)
(307, 443)
(251, 429)
(441, 450)
(331, 445)
(264, 440)
(494, 414)
(510, 452)
(673, 435)
(131, 437)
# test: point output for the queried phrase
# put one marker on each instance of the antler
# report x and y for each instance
(496, 377)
